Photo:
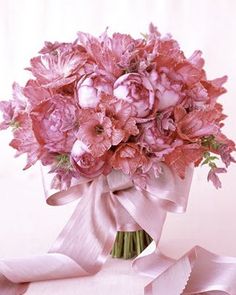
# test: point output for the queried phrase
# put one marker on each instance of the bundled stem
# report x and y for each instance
(130, 244)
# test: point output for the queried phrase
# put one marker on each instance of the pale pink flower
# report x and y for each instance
(24, 140)
(90, 88)
(12, 108)
(53, 123)
(58, 67)
(128, 158)
(136, 89)
(86, 164)
(169, 93)
(214, 178)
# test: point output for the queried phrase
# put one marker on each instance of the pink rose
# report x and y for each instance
(85, 163)
(90, 88)
(136, 89)
(128, 158)
(53, 122)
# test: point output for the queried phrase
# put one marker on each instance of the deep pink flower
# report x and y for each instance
(86, 164)
(53, 123)
(136, 89)
(58, 67)
(128, 158)
(196, 124)
(36, 93)
(100, 53)
(214, 178)
(122, 115)
(90, 88)
(96, 132)
(182, 156)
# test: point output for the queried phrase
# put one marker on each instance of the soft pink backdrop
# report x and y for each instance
(27, 224)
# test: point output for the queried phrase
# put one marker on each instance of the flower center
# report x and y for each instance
(99, 129)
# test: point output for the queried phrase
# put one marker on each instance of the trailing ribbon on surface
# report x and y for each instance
(112, 203)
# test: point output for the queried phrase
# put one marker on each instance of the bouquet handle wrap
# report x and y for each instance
(111, 203)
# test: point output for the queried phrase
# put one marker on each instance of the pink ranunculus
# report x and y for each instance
(96, 132)
(90, 88)
(53, 123)
(86, 164)
(128, 158)
(136, 89)
(59, 66)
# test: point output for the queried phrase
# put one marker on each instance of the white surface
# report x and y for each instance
(27, 224)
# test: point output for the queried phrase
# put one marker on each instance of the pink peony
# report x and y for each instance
(53, 123)
(169, 93)
(90, 88)
(136, 89)
(86, 164)
(128, 158)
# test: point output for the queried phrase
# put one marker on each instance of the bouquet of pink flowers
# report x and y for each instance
(120, 103)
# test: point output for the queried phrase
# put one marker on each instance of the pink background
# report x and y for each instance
(27, 224)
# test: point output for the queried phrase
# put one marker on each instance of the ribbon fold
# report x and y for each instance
(113, 203)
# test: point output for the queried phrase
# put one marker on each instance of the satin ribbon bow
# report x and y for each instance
(112, 203)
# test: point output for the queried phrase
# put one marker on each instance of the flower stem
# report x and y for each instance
(130, 244)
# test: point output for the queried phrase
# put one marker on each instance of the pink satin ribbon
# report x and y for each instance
(112, 203)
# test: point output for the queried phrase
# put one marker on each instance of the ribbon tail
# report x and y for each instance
(198, 271)
(81, 249)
